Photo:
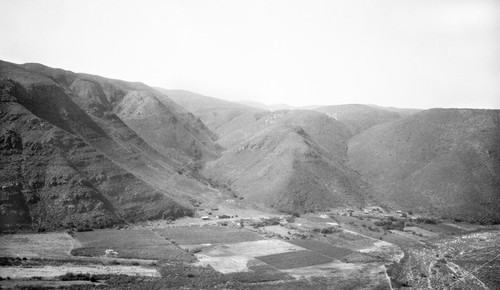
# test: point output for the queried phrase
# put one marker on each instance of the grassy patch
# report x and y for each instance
(129, 244)
(207, 235)
(292, 260)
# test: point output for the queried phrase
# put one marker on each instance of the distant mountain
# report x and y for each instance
(445, 161)
(213, 112)
(276, 107)
(254, 105)
(359, 117)
(82, 149)
(401, 111)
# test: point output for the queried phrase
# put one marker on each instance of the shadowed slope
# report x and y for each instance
(82, 107)
(52, 178)
(160, 122)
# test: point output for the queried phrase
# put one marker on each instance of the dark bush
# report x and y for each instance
(80, 277)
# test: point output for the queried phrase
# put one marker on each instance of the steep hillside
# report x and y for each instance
(292, 161)
(446, 161)
(139, 107)
(359, 117)
(329, 134)
(52, 178)
(213, 112)
(102, 159)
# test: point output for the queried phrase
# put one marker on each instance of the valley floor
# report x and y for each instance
(351, 249)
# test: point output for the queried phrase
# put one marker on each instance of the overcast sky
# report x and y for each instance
(420, 54)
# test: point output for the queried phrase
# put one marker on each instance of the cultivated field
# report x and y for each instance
(262, 248)
(54, 271)
(195, 235)
(242, 258)
(325, 249)
(47, 245)
(129, 244)
(346, 275)
(295, 259)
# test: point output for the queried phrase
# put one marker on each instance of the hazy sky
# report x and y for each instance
(421, 53)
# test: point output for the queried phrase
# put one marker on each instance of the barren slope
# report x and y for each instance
(446, 161)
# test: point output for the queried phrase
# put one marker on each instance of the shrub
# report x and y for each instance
(388, 225)
(427, 221)
(73, 277)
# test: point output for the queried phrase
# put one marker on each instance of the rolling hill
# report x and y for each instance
(443, 161)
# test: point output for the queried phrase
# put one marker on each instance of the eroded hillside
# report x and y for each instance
(83, 150)
(76, 152)
(444, 161)
(292, 161)
(440, 161)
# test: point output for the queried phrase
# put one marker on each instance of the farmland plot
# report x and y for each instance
(421, 231)
(228, 263)
(47, 245)
(262, 248)
(196, 235)
(323, 248)
(131, 244)
(360, 276)
(444, 229)
(384, 250)
(54, 271)
(280, 230)
(296, 259)
(349, 239)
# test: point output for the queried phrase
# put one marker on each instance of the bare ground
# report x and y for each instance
(54, 271)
